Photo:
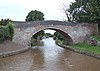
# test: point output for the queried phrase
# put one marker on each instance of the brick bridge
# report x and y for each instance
(74, 32)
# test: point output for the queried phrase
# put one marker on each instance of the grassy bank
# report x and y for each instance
(87, 48)
(83, 47)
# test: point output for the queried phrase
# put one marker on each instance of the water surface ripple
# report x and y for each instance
(49, 57)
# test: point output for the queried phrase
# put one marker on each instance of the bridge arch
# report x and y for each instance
(68, 38)
(74, 32)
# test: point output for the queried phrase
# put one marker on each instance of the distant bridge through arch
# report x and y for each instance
(74, 32)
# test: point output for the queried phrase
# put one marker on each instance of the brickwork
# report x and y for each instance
(75, 32)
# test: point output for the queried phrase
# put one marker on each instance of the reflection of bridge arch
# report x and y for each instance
(68, 38)
(74, 32)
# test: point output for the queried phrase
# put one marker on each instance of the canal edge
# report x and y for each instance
(6, 54)
(79, 51)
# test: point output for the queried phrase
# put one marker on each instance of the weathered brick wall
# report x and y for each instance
(74, 31)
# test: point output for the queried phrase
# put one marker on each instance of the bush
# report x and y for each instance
(11, 29)
(1, 34)
(6, 31)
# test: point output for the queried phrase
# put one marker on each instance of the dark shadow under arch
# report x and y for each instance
(68, 39)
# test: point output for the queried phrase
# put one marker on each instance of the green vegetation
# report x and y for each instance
(84, 11)
(96, 37)
(59, 37)
(84, 46)
(39, 35)
(59, 42)
(87, 48)
(48, 35)
(35, 15)
(35, 42)
(6, 30)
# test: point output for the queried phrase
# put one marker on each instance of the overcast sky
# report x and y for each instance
(17, 10)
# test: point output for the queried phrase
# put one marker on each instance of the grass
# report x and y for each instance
(96, 37)
(60, 42)
(87, 48)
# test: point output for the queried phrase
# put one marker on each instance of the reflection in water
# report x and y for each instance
(38, 59)
(49, 57)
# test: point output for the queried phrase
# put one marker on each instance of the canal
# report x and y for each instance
(49, 57)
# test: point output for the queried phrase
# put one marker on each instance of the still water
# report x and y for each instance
(49, 57)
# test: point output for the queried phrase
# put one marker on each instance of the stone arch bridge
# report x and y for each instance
(74, 32)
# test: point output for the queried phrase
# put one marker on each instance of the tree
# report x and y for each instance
(59, 36)
(76, 11)
(11, 29)
(93, 8)
(34, 15)
(48, 35)
(39, 34)
(6, 30)
(84, 11)
(4, 21)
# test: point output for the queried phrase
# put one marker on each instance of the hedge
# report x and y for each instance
(6, 32)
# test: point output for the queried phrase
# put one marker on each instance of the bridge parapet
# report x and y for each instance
(76, 31)
(35, 23)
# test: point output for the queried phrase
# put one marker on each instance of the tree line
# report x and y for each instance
(83, 11)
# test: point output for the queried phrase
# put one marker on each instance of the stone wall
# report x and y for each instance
(74, 31)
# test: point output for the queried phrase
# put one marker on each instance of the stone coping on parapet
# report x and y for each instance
(9, 48)
(24, 24)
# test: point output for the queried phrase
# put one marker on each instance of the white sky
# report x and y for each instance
(49, 31)
(17, 10)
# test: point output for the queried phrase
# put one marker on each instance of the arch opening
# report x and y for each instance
(67, 38)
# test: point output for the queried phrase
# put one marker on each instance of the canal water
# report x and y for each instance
(49, 57)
